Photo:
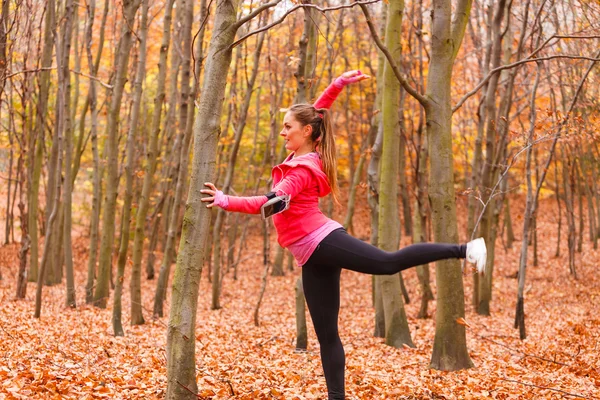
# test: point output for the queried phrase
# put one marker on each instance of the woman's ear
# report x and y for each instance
(307, 130)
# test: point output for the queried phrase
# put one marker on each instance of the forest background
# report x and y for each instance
(110, 112)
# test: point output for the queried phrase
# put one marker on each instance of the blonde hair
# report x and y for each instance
(322, 136)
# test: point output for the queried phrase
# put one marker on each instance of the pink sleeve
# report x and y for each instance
(327, 98)
(295, 181)
(248, 205)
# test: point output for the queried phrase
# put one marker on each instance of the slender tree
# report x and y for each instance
(181, 368)
(97, 168)
(449, 348)
(37, 139)
(190, 94)
(397, 332)
(101, 294)
(152, 149)
(133, 129)
(238, 132)
(68, 132)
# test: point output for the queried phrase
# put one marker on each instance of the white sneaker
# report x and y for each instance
(477, 254)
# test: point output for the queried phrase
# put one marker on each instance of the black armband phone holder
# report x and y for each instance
(274, 205)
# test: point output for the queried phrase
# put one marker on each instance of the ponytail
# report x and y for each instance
(327, 151)
(322, 136)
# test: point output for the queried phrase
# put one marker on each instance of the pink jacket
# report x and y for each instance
(303, 179)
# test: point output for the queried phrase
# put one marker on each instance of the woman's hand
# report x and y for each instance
(212, 193)
(350, 77)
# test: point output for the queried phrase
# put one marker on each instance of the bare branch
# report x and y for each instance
(543, 387)
(291, 10)
(563, 123)
(106, 85)
(561, 37)
(513, 65)
(29, 71)
(544, 139)
(522, 352)
(254, 13)
(412, 91)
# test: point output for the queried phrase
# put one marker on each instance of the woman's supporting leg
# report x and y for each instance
(339, 248)
(322, 291)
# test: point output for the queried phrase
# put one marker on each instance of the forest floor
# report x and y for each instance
(72, 353)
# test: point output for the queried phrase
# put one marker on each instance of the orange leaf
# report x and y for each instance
(461, 321)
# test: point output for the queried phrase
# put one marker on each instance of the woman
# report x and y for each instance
(320, 245)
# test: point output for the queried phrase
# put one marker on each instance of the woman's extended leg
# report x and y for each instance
(322, 291)
(339, 248)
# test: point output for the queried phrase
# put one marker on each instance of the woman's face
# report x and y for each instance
(297, 137)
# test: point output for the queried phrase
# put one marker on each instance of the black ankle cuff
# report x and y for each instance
(463, 250)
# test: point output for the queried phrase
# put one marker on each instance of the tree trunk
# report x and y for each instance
(304, 75)
(98, 170)
(527, 217)
(569, 185)
(375, 141)
(181, 367)
(591, 194)
(3, 42)
(379, 330)
(38, 139)
(301, 331)
(129, 167)
(354, 185)
(510, 234)
(397, 333)
(239, 130)
(404, 194)
(557, 192)
(67, 25)
(449, 347)
(112, 127)
(278, 262)
(484, 287)
(25, 243)
(266, 263)
(56, 171)
(151, 155)
(580, 204)
(189, 94)
(8, 220)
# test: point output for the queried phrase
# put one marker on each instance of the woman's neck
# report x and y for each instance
(304, 150)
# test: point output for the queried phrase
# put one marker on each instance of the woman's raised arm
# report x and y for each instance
(327, 98)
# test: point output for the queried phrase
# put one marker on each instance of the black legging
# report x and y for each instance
(321, 281)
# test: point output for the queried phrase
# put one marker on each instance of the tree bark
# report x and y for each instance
(304, 75)
(151, 154)
(38, 138)
(101, 294)
(301, 331)
(527, 217)
(126, 215)
(421, 216)
(238, 132)
(375, 141)
(98, 169)
(484, 287)
(67, 25)
(449, 347)
(397, 333)
(188, 94)
(181, 368)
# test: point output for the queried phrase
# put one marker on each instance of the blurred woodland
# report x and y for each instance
(480, 119)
